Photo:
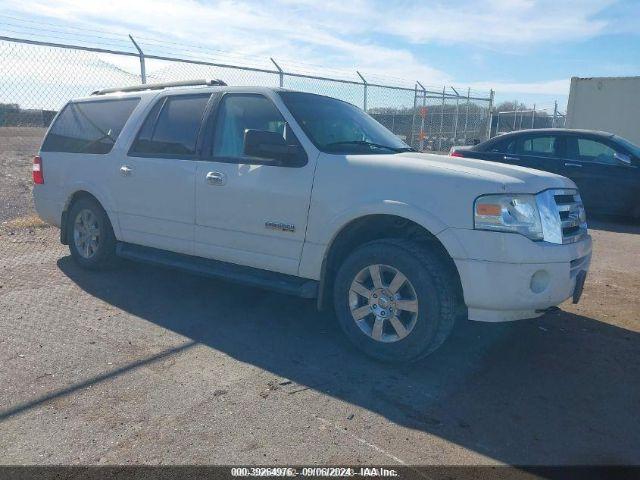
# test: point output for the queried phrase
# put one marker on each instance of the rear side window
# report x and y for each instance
(172, 126)
(541, 146)
(89, 127)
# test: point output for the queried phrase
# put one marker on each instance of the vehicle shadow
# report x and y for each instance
(614, 224)
(563, 389)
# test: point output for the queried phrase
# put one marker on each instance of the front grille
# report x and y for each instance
(572, 216)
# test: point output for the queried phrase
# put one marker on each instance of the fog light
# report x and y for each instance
(539, 281)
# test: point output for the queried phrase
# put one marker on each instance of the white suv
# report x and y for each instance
(309, 195)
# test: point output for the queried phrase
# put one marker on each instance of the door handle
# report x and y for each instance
(216, 178)
(569, 164)
(125, 170)
(507, 157)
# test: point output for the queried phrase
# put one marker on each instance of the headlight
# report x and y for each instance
(508, 213)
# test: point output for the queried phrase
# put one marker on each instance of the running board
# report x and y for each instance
(254, 277)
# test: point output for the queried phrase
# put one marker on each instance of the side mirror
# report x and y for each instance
(622, 158)
(271, 146)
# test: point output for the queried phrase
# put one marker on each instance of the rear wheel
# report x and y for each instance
(91, 239)
(396, 300)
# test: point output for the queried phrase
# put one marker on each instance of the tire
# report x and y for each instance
(428, 280)
(102, 250)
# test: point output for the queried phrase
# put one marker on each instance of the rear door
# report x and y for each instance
(497, 151)
(540, 151)
(606, 184)
(154, 183)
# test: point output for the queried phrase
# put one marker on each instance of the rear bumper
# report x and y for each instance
(522, 280)
(48, 207)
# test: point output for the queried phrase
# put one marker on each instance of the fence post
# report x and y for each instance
(423, 114)
(555, 114)
(466, 115)
(441, 121)
(515, 114)
(280, 72)
(491, 95)
(413, 119)
(533, 116)
(365, 90)
(143, 70)
(455, 124)
(521, 117)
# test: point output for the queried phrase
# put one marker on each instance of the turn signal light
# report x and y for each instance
(488, 209)
(38, 175)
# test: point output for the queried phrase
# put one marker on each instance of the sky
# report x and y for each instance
(523, 49)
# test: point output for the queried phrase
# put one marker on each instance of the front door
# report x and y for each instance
(606, 184)
(251, 211)
(154, 185)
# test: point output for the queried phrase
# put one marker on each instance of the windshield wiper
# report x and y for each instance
(370, 144)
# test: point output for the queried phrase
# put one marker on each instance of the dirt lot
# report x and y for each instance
(17, 148)
(146, 365)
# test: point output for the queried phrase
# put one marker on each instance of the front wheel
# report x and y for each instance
(91, 240)
(396, 299)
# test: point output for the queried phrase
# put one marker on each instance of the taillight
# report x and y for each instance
(38, 175)
(456, 153)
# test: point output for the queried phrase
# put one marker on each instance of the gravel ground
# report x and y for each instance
(146, 365)
(17, 148)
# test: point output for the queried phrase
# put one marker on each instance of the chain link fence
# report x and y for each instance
(523, 119)
(37, 78)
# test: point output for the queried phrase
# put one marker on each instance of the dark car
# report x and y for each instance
(605, 167)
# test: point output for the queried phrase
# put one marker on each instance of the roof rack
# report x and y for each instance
(161, 86)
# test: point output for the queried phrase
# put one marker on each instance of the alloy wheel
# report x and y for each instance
(86, 233)
(383, 303)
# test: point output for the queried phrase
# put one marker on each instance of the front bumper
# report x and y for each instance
(515, 279)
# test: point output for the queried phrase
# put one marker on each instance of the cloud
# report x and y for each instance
(551, 87)
(336, 35)
(502, 23)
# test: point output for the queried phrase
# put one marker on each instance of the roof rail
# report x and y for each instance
(161, 86)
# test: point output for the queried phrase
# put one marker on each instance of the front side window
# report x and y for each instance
(172, 126)
(595, 152)
(545, 146)
(338, 127)
(89, 127)
(237, 114)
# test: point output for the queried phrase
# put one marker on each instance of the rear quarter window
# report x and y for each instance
(89, 127)
(506, 145)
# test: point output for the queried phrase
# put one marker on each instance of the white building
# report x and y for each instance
(610, 104)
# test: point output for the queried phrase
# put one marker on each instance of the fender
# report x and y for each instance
(424, 218)
(317, 245)
(418, 215)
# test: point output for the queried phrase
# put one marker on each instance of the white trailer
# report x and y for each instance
(610, 104)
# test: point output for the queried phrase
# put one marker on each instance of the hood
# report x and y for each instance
(506, 178)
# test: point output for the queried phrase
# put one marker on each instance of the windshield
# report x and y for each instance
(633, 149)
(335, 126)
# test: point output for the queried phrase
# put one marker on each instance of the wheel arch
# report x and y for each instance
(371, 227)
(71, 199)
